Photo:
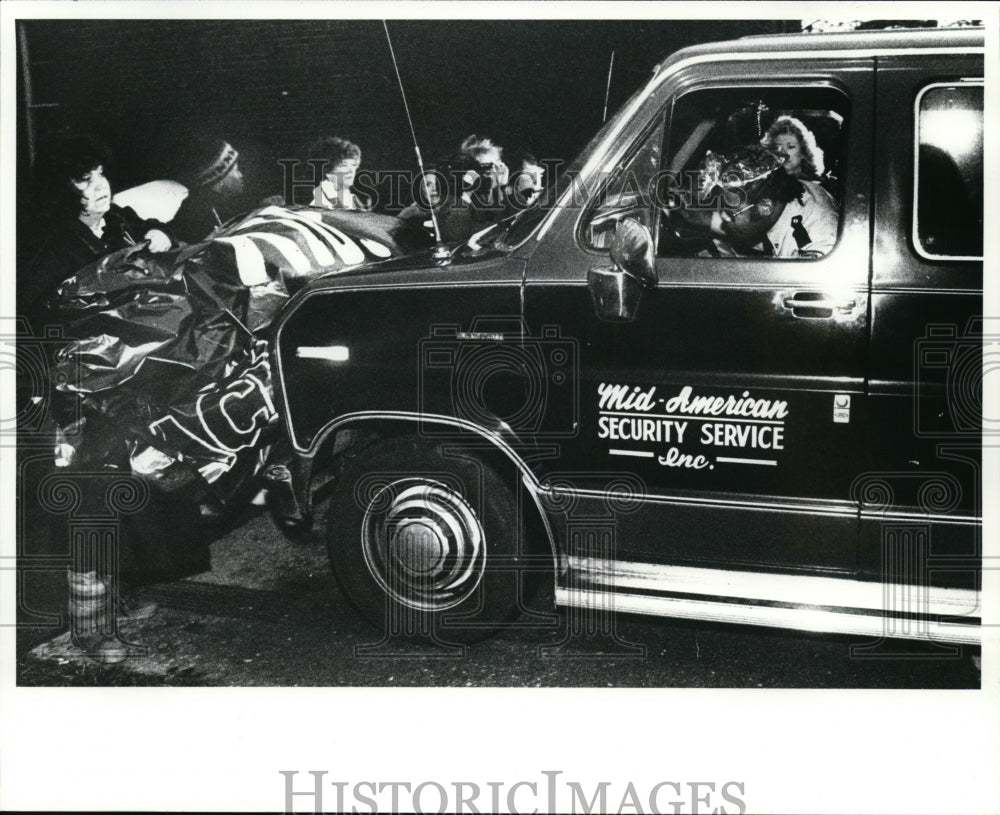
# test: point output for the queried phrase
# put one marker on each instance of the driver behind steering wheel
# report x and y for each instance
(766, 211)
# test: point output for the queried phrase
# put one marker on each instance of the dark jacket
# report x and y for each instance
(66, 245)
(202, 212)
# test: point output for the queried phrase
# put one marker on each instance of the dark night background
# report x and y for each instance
(271, 87)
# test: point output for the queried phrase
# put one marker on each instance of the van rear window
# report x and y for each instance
(948, 202)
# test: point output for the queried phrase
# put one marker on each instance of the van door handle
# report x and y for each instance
(816, 304)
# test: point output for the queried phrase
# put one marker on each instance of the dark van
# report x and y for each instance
(696, 381)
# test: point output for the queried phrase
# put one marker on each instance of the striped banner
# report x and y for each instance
(295, 243)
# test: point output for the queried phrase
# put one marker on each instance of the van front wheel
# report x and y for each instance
(424, 541)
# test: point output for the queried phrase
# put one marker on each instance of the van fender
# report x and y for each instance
(359, 419)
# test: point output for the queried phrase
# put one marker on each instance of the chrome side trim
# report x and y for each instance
(806, 590)
(800, 619)
(920, 517)
(846, 508)
(879, 289)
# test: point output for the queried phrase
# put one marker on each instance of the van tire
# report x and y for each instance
(424, 540)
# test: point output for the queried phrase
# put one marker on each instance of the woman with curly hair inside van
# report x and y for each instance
(791, 139)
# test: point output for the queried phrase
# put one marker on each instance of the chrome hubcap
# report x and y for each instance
(423, 544)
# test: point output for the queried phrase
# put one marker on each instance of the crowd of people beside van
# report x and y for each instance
(79, 220)
(79, 223)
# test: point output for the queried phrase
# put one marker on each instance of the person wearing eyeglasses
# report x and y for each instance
(78, 221)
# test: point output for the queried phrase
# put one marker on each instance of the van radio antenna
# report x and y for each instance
(441, 253)
(607, 90)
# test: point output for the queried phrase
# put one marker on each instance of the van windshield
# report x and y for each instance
(511, 232)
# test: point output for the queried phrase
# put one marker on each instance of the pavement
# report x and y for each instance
(269, 613)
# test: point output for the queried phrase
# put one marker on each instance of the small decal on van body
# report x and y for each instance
(841, 408)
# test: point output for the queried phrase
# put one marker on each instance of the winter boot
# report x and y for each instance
(90, 627)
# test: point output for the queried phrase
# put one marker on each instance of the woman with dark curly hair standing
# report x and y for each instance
(77, 222)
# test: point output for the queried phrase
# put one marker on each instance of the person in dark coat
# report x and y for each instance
(77, 222)
(211, 172)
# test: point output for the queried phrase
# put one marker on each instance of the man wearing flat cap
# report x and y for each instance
(212, 175)
(769, 212)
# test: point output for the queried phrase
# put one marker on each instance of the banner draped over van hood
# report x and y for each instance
(166, 370)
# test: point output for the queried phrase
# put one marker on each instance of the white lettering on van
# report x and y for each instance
(742, 435)
(632, 416)
(686, 402)
(640, 428)
(675, 458)
(621, 397)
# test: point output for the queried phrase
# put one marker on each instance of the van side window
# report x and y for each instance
(948, 203)
(753, 172)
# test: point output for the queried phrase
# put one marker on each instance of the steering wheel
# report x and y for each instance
(681, 234)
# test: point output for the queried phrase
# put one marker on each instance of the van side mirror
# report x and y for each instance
(617, 291)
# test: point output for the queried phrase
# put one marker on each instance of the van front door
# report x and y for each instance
(732, 401)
